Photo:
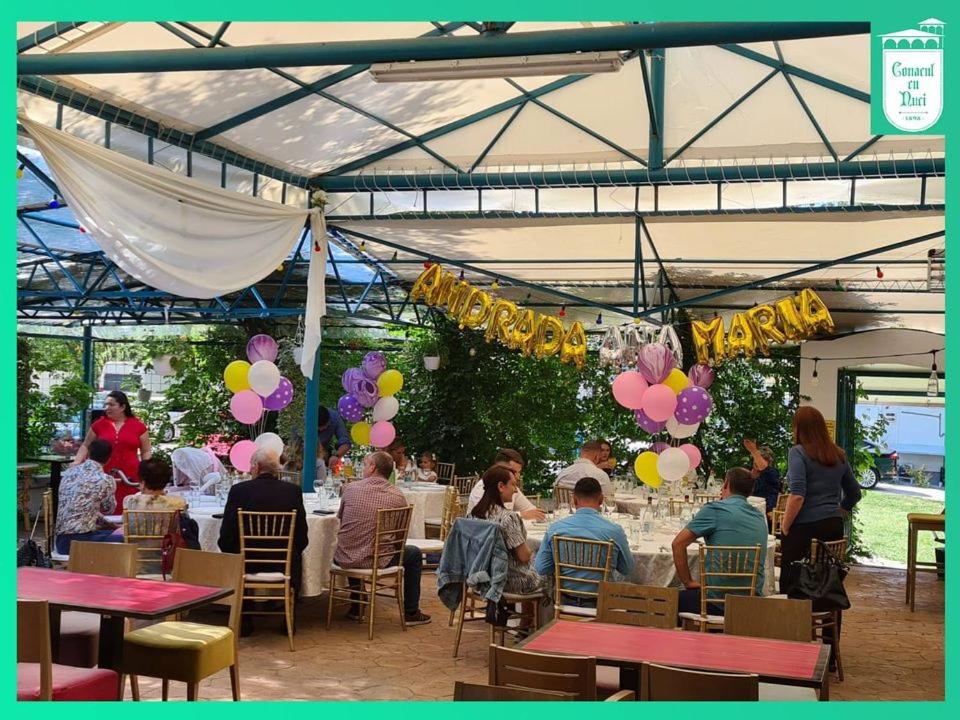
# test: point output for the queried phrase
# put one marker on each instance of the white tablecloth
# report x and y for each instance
(653, 559)
(427, 501)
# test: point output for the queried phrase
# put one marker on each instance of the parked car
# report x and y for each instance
(884, 465)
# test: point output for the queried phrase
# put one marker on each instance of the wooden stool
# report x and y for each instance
(915, 523)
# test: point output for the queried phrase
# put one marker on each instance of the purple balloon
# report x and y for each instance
(261, 347)
(350, 377)
(281, 397)
(365, 391)
(701, 375)
(644, 421)
(693, 405)
(350, 408)
(659, 447)
(655, 362)
(374, 363)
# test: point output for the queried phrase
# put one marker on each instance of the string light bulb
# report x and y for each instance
(19, 173)
(461, 275)
(599, 319)
(563, 311)
(393, 258)
(637, 321)
(363, 246)
(53, 204)
(933, 384)
(815, 378)
(427, 265)
(495, 285)
(879, 273)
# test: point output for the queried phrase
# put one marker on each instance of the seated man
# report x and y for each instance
(728, 521)
(589, 524)
(513, 461)
(358, 522)
(266, 492)
(586, 466)
(86, 495)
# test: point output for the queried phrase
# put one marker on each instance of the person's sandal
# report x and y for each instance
(417, 618)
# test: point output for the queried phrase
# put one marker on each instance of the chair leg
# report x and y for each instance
(399, 591)
(333, 583)
(836, 644)
(372, 606)
(134, 688)
(288, 614)
(463, 612)
(910, 560)
(164, 689)
(453, 616)
(192, 691)
(235, 680)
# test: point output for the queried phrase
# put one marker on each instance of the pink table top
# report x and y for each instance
(124, 597)
(701, 651)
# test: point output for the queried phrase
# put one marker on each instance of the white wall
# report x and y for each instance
(869, 343)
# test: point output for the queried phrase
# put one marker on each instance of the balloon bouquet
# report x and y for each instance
(663, 398)
(372, 386)
(257, 388)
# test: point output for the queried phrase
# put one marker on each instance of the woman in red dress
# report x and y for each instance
(129, 438)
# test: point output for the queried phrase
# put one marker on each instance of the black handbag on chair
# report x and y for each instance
(819, 581)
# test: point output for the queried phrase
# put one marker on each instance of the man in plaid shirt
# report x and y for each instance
(358, 522)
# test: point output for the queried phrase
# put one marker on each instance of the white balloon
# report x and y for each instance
(385, 408)
(269, 441)
(672, 464)
(680, 431)
(264, 377)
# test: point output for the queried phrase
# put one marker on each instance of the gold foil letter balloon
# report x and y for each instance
(549, 336)
(425, 284)
(814, 312)
(458, 297)
(574, 348)
(740, 338)
(501, 318)
(441, 292)
(791, 322)
(764, 321)
(708, 340)
(475, 309)
(521, 337)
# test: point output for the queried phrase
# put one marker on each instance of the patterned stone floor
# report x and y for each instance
(888, 652)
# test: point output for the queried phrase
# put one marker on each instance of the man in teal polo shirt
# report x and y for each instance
(728, 521)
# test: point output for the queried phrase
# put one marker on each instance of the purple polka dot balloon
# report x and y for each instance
(350, 408)
(281, 397)
(645, 422)
(693, 405)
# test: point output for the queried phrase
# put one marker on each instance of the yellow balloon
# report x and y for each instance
(475, 309)
(425, 284)
(501, 318)
(389, 382)
(740, 338)
(764, 319)
(645, 466)
(791, 320)
(708, 340)
(814, 312)
(521, 337)
(676, 380)
(235, 376)
(360, 433)
(549, 336)
(574, 348)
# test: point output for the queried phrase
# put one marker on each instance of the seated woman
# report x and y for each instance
(154, 477)
(427, 468)
(499, 487)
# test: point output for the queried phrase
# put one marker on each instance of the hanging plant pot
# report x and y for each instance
(143, 394)
(431, 362)
(162, 365)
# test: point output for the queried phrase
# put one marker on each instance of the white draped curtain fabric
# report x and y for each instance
(179, 235)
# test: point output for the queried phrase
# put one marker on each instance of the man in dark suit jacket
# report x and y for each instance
(266, 492)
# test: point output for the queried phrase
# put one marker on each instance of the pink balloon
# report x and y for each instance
(659, 402)
(382, 434)
(629, 388)
(701, 375)
(246, 406)
(241, 453)
(655, 362)
(692, 452)
(262, 347)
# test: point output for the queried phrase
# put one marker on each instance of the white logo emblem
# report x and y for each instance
(913, 76)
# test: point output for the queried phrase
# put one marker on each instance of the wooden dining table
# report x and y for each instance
(114, 599)
(628, 647)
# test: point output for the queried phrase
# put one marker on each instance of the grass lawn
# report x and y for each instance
(883, 521)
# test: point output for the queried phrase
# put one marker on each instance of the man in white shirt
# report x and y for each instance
(513, 461)
(586, 466)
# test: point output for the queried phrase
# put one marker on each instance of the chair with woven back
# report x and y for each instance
(562, 496)
(445, 473)
(676, 506)
(185, 651)
(266, 545)
(38, 678)
(464, 484)
(723, 570)
(826, 623)
(146, 529)
(554, 673)
(665, 683)
(704, 498)
(488, 693)
(625, 603)
(449, 513)
(580, 567)
(384, 578)
(294, 477)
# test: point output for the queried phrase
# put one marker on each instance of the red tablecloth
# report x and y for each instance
(703, 651)
(110, 595)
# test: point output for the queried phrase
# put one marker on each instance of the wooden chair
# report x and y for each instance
(487, 693)
(449, 513)
(445, 473)
(562, 496)
(917, 523)
(774, 618)
(294, 477)
(385, 576)
(49, 529)
(628, 604)
(535, 499)
(38, 678)
(724, 570)
(578, 563)
(146, 529)
(554, 673)
(464, 484)
(266, 541)
(829, 620)
(704, 498)
(664, 683)
(676, 506)
(188, 652)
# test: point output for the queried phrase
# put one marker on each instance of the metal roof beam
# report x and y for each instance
(350, 52)
(28, 42)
